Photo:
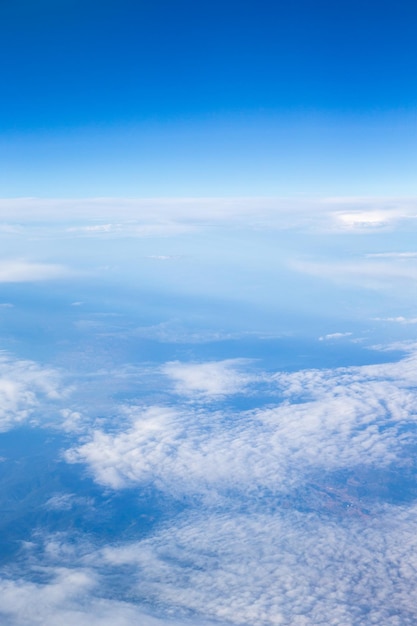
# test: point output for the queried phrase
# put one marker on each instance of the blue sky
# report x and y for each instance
(183, 98)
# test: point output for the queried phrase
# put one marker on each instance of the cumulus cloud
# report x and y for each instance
(24, 386)
(209, 379)
(281, 568)
(324, 420)
(72, 421)
(280, 539)
(72, 596)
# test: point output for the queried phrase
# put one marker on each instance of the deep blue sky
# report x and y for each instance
(104, 90)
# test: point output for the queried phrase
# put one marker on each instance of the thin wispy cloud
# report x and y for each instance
(21, 271)
(400, 319)
(129, 229)
(365, 274)
(145, 217)
(332, 336)
(392, 255)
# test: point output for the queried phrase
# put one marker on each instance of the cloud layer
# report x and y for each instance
(276, 530)
(323, 419)
(272, 527)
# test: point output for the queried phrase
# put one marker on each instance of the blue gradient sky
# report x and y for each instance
(184, 98)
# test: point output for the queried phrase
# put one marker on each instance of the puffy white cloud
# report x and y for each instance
(371, 219)
(325, 419)
(278, 541)
(24, 385)
(209, 379)
(283, 568)
(71, 597)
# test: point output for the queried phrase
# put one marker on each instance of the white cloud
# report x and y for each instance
(23, 386)
(209, 379)
(281, 568)
(365, 220)
(132, 229)
(278, 541)
(400, 319)
(71, 597)
(344, 214)
(17, 271)
(325, 420)
(66, 502)
(72, 421)
(332, 336)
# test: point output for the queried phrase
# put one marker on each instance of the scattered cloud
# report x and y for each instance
(24, 386)
(66, 502)
(280, 568)
(277, 541)
(72, 596)
(399, 319)
(332, 336)
(210, 379)
(72, 421)
(325, 419)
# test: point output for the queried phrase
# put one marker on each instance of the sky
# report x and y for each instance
(208, 321)
(207, 99)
